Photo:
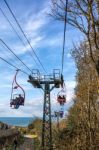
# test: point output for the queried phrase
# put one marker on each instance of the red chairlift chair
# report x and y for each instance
(17, 99)
(61, 97)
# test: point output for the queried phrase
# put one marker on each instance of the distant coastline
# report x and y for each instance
(17, 121)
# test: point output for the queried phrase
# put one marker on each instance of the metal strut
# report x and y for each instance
(46, 128)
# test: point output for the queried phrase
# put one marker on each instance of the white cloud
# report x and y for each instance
(68, 55)
(31, 108)
(38, 20)
(5, 86)
(34, 42)
(35, 25)
(70, 84)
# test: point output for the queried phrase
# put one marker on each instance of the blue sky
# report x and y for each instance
(46, 36)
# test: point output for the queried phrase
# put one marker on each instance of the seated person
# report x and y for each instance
(16, 102)
(59, 97)
(13, 102)
(64, 98)
(61, 114)
(21, 100)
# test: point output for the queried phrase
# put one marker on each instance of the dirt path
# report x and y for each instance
(27, 145)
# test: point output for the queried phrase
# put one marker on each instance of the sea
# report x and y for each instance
(17, 121)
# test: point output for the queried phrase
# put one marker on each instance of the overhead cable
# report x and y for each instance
(64, 36)
(24, 35)
(15, 55)
(16, 33)
(13, 65)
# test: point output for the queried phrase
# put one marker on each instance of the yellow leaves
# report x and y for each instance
(33, 136)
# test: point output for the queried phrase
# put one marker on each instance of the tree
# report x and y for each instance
(87, 96)
(83, 15)
(82, 131)
(82, 124)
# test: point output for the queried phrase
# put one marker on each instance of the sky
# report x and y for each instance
(46, 37)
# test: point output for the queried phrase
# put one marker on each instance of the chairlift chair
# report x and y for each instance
(61, 97)
(17, 99)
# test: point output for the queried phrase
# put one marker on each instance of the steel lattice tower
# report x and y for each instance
(46, 128)
(47, 83)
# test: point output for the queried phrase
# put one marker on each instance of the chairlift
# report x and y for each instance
(17, 99)
(61, 96)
